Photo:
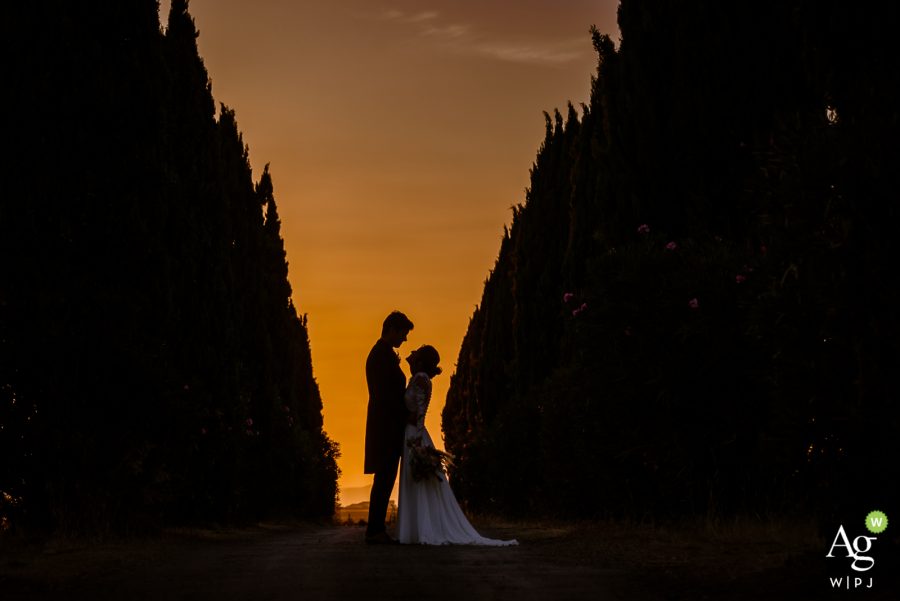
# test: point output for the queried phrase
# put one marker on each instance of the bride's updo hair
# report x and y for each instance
(427, 359)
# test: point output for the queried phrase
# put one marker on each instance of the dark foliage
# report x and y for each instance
(749, 366)
(154, 369)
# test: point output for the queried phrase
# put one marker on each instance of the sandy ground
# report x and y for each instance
(606, 561)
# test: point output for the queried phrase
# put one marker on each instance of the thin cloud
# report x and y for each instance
(547, 54)
(399, 15)
(463, 39)
(425, 16)
(447, 32)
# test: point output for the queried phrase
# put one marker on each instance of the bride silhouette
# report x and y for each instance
(429, 513)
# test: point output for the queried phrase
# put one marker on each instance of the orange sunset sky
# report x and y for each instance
(399, 135)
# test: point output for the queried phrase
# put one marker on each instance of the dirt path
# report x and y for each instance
(295, 563)
(331, 562)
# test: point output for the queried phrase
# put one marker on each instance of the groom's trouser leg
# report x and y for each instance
(380, 496)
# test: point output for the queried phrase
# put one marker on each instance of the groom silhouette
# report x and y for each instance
(385, 420)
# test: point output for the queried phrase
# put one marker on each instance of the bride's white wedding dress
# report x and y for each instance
(429, 513)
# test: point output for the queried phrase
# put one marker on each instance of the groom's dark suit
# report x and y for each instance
(385, 424)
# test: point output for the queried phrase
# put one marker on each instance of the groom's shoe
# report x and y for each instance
(381, 538)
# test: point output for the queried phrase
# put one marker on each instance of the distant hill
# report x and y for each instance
(358, 494)
(354, 495)
(360, 511)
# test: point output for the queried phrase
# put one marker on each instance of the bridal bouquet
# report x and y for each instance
(425, 461)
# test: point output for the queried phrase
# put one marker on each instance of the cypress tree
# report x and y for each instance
(148, 339)
(702, 314)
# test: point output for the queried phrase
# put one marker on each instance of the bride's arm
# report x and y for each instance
(423, 396)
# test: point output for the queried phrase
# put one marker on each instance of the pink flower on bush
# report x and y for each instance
(568, 296)
(740, 278)
(694, 303)
(286, 408)
(203, 431)
(671, 246)
(643, 229)
(249, 421)
(580, 309)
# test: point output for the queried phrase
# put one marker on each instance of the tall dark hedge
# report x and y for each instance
(154, 369)
(695, 309)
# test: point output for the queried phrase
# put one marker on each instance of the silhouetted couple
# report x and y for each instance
(428, 512)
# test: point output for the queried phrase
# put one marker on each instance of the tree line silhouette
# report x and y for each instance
(694, 312)
(154, 368)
